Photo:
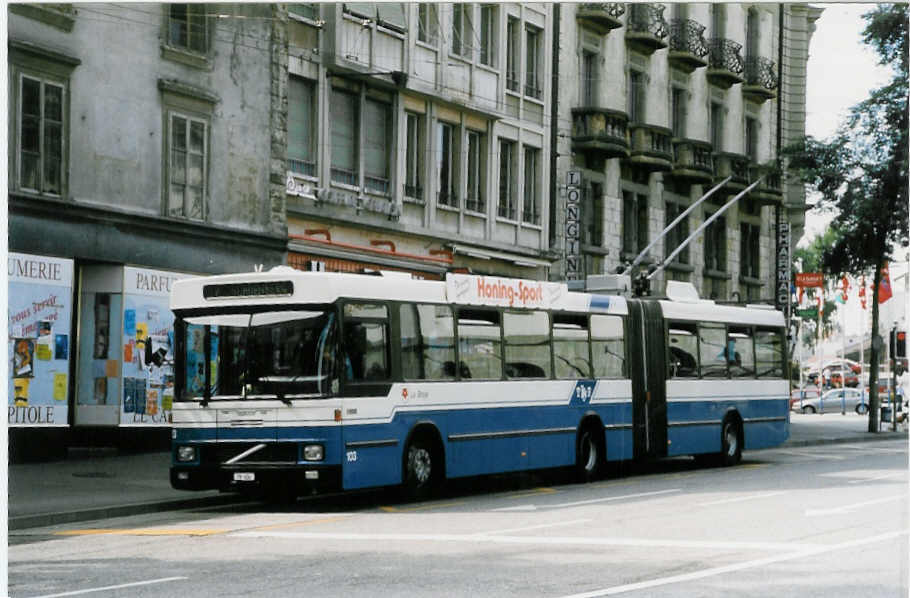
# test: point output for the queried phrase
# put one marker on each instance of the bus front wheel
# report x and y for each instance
(423, 466)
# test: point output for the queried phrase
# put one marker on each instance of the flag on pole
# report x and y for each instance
(884, 287)
(846, 286)
(862, 292)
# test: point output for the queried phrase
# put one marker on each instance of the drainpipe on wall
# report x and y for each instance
(554, 111)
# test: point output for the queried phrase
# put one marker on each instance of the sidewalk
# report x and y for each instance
(103, 484)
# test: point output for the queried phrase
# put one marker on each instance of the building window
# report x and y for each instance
(676, 235)
(512, 55)
(188, 28)
(309, 10)
(589, 62)
(531, 208)
(445, 165)
(634, 222)
(750, 250)
(427, 23)
(345, 129)
(533, 82)
(636, 97)
(476, 169)
(413, 175)
(377, 141)
(717, 126)
(506, 208)
(489, 21)
(752, 138)
(41, 131)
(462, 30)
(716, 245)
(187, 167)
(592, 215)
(678, 111)
(301, 126)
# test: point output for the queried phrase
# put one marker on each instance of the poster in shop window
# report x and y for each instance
(39, 316)
(148, 347)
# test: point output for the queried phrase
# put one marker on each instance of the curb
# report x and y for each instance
(46, 519)
(867, 437)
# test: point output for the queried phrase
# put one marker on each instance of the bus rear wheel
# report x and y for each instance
(590, 455)
(731, 443)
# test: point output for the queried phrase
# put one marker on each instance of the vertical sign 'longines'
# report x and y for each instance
(573, 213)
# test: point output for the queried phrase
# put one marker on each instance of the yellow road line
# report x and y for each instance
(307, 522)
(421, 508)
(534, 492)
(140, 532)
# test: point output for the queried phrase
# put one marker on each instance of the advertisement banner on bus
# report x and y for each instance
(505, 292)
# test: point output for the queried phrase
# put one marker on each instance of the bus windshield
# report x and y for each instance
(283, 354)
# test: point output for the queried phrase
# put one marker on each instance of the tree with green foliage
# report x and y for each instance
(809, 259)
(861, 172)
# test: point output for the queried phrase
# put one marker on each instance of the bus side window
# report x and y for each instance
(366, 343)
(427, 342)
(712, 341)
(608, 346)
(479, 344)
(683, 344)
(769, 354)
(527, 338)
(571, 347)
(740, 352)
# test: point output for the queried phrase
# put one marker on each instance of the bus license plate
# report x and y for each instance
(244, 477)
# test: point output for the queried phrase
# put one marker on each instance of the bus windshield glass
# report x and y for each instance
(283, 354)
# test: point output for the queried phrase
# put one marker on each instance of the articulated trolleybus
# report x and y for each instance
(297, 382)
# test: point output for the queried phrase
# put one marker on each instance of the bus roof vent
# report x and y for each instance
(282, 270)
(683, 292)
(609, 284)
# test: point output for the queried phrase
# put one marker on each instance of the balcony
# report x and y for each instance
(688, 46)
(651, 147)
(693, 161)
(732, 165)
(760, 79)
(769, 192)
(647, 28)
(725, 63)
(604, 16)
(600, 132)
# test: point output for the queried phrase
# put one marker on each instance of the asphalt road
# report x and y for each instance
(816, 521)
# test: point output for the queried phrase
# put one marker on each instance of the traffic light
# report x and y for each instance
(898, 344)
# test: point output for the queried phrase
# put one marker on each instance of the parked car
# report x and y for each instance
(839, 400)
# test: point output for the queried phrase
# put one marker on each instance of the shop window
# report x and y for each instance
(102, 326)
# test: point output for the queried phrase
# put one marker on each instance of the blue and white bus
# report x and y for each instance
(311, 381)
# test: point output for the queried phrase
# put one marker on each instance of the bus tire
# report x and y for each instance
(422, 468)
(590, 454)
(731, 439)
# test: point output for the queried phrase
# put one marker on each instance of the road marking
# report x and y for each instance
(814, 455)
(526, 540)
(612, 498)
(879, 477)
(140, 532)
(524, 529)
(735, 567)
(741, 498)
(847, 508)
(117, 587)
(307, 522)
(584, 502)
(535, 492)
(420, 508)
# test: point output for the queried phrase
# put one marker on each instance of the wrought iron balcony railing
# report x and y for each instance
(605, 15)
(647, 27)
(688, 46)
(760, 78)
(725, 62)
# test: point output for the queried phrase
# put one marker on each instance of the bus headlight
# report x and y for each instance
(313, 452)
(186, 453)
